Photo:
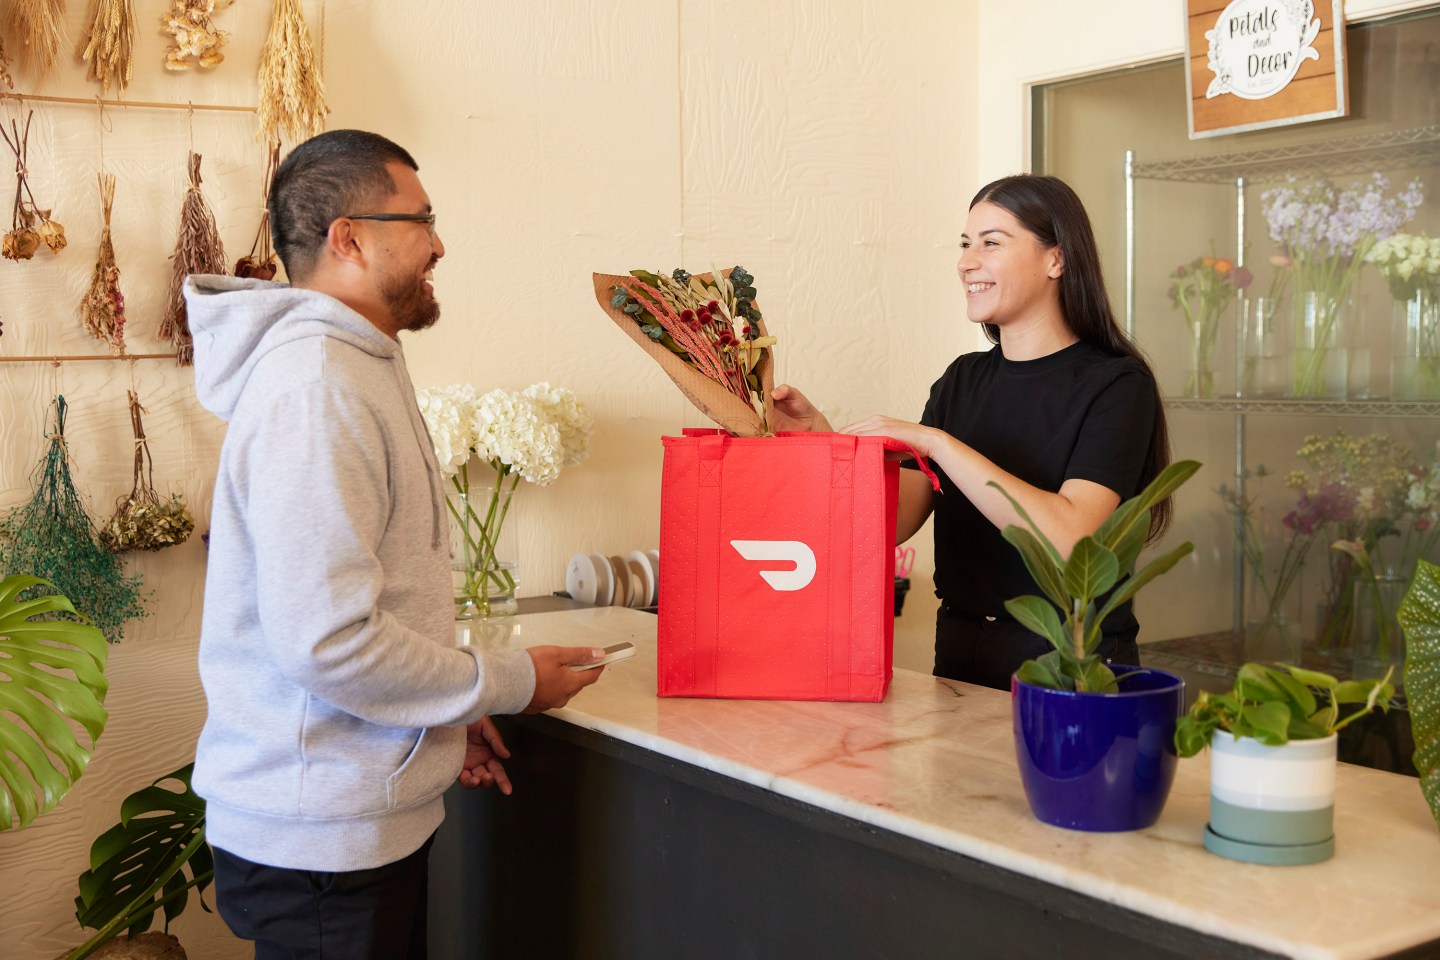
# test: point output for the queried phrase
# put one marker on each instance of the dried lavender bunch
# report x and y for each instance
(197, 250)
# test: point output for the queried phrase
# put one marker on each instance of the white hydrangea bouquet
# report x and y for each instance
(1410, 263)
(530, 434)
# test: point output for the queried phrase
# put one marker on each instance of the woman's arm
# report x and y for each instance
(1076, 511)
(917, 502)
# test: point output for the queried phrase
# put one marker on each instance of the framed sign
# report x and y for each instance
(1263, 63)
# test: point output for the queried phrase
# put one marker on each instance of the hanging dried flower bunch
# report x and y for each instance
(38, 25)
(260, 262)
(141, 520)
(195, 39)
(5, 77)
(197, 250)
(102, 310)
(29, 225)
(292, 93)
(51, 536)
(109, 45)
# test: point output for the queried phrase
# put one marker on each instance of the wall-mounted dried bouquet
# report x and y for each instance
(689, 325)
(195, 40)
(102, 309)
(292, 93)
(51, 536)
(37, 26)
(29, 225)
(260, 262)
(142, 521)
(109, 44)
(197, 250)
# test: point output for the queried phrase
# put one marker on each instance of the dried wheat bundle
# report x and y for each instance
(197, 250)
(195, 39)
(39, 25)
(29, 225)
(259, 263)
(292, 93)
(109, 45)
(142, 521)
(102, 309)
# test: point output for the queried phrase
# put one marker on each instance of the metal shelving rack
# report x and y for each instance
(1339, 156)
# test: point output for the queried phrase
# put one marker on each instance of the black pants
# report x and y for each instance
(987, 652)
(374, 914)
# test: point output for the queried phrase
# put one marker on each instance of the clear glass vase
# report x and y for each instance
(1263, 368)
(1415, 347)
(1272, 623)
(483, 577)
(1319, 355)
(1379, 644)
(1203, 329)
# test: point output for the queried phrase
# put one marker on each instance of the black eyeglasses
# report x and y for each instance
(426, 218)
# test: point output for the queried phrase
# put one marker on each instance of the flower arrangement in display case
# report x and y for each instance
(1325, 234)
(531, 434)
(1410, 265)
(1202, 289)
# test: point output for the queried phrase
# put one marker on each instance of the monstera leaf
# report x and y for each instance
(1419, 617)
(138, 865)
(52, 672)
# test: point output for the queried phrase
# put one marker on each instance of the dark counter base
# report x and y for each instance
(610, 851)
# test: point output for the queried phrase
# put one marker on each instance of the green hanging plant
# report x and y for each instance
(1419, 617)
(50, 670)
(51, 536)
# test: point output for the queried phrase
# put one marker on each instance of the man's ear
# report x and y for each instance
(1055, 267)
(342, 243)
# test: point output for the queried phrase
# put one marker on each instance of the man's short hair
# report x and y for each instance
(327, 177)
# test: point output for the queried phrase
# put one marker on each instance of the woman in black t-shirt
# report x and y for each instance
(1064, 413)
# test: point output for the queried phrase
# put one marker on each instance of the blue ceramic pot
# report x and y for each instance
(1099, 761)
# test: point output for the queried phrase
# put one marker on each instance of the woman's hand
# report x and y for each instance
(924, 440)
(791, 410)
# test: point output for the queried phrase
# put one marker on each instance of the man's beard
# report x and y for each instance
(409, 305)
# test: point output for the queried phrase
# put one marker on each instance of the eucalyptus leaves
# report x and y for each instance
(1098, 565)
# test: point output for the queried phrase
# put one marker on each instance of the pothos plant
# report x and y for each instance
(1099, 571)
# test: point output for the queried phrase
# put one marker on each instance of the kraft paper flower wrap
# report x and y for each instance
(726, 373)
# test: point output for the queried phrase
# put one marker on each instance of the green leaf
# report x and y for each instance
(1302, 701)
(1045, 570)
(1040, 674)
(1193, 732)
(1312, 678)
(1091, 570)
(1098, 676)
(1267, 722)
(1134, 514)
(1419, 617)
(51, 678)
(136, 862)
(1132, 584)
(1125, 535)
(1038, 615)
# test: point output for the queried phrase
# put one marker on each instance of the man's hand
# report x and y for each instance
(790, 410)
(555, 682)
(483, 751)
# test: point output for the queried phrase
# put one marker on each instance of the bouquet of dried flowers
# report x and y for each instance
(142, 521)
(707, 333)
(51, 536)
(1202, 289)
(38, 26)
(260, 262)
(194, 38)
(108, 46)
(29, 225)
(197, 250)
(102, 309)
(292, 93)
(528, 434)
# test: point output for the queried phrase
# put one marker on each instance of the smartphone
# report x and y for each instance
(616, 651)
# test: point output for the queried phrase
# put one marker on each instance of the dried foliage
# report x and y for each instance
(197, 250)
(39, 26)
(260, 263)
(29, 225)
(5, 77)
(109, 46)
(142, 521)
(102, 310)
(195, 39)
(292, 92)
(51, 536)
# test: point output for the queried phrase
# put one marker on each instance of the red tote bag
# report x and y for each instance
(778, 561)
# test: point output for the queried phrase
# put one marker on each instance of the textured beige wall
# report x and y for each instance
(828, 146)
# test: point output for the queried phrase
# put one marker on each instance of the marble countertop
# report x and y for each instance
(935, 761)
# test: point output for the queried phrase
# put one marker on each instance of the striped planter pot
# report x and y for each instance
(1271, 805)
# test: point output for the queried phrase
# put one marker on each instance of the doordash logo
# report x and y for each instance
(787, 551)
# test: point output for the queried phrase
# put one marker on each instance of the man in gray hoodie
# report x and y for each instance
(340, 707)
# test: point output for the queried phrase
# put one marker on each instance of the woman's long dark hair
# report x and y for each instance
(1048, 208)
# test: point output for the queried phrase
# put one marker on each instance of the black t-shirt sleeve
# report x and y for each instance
(1115, 436)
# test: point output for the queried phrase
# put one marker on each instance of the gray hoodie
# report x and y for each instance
(337, 696)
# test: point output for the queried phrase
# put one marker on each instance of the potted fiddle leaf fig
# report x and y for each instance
(1093, 743)
(1272, 742)
(52, 676)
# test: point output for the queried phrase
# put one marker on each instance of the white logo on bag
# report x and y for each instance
(789, 551)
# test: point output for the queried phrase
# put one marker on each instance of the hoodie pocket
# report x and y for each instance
(430, 768)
